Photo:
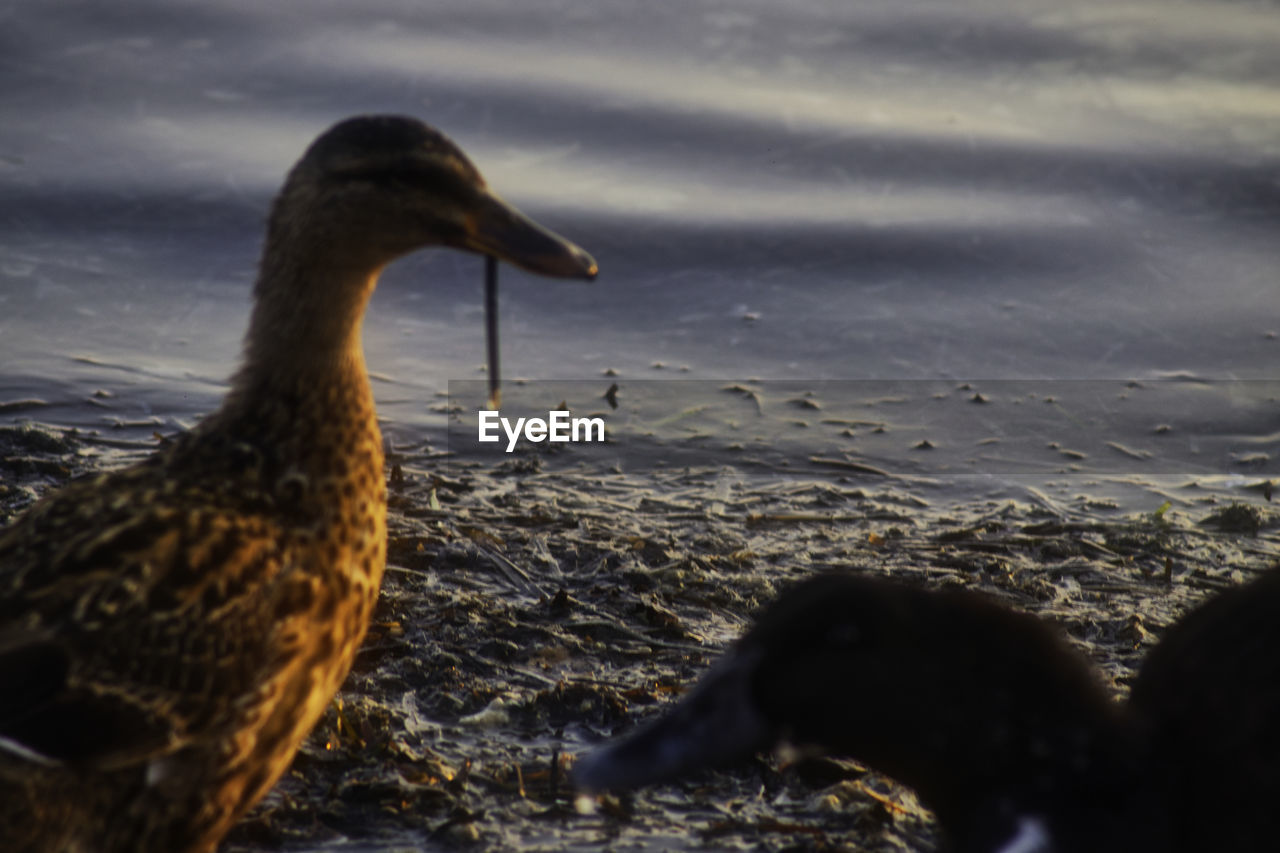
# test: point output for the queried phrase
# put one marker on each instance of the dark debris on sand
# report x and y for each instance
(528, 612)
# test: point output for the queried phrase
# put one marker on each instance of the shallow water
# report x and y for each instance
(1068, 210)
(965, 191)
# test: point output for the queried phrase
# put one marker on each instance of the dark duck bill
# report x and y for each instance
(1003, 730)
(499, 231)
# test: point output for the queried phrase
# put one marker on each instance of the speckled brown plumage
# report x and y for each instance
(170, 632)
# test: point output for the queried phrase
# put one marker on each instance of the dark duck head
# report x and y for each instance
(170, 632)
(1004, 730)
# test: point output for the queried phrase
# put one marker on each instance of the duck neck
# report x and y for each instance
(304, 334)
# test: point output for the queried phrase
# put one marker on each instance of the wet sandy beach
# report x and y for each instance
(535, 606)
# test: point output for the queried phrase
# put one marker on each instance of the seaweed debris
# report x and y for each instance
(529, 612)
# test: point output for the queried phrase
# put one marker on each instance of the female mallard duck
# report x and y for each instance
(170, 632)
(1003, 730)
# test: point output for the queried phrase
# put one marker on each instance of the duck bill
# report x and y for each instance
(714, 725)
(496, 228)
(498, 231)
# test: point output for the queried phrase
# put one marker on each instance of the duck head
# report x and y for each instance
(377, 187)
(985, 712)
(367, 191)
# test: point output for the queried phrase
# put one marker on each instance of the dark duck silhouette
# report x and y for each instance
(170, 632)
(1003, 730)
